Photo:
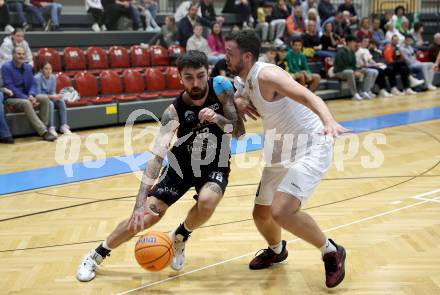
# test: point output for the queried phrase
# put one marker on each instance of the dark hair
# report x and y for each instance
(409, 36)
(351, 38)
(399, 7)
(372, 41)
(192, 59)
(417, 26)
(17, 30)
(296, 38)
(247, 41)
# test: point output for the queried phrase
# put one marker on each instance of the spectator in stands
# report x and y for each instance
(404, 27)
(329, 40)
(208, 13)
(168, 34)
(364, 30)
(398, 17)
(281, 58)
(297, 62)
(312, 43)
(198, 42)
(345, 69)
(394, 59)
(247, 11)
(418, 35)
(295, 23)
(95, 8)
(262, 26)
(269, 56)
(377, 34)
(115, 9)
(307, 5)
(277, 21)
(182, 10)
(47, 84)
(54, 10)
(221, 69)
(387, 17)
(21, 7)
(391, 31)
(348, 6)
(17, 76)
(5, 17)
(15, 39)
(415, 66)
(186, 24)
(312, 15)
(434, 51)
(216, 42)
(380, 64)
(326, 10)
(340, 25)
(5, 133)
(148, 9)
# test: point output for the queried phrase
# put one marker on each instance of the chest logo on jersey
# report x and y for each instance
(190, 116)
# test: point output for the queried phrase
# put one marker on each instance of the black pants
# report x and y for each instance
(401, 68)
(98, 15)
(4, 16)
(112, 14)
(387, 72)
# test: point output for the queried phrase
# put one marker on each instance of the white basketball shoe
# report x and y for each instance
(86, 270)
(179, 251)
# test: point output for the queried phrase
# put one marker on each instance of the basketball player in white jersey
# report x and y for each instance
(303, 123)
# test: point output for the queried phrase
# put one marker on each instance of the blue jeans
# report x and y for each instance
(21, 8)
(136, 16)
(61, 106)
(325, 53)
(4, 128)
(55, 12)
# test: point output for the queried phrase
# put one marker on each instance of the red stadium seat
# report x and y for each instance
(173, 82)
(173, 53)
(133, 84)
(51, 56)
(74, 60)
(86, 85)
(111, 87)
(159, 56)
(155, 80)
(140, 56)
(118, 57)
(62, 81)
(97, 59)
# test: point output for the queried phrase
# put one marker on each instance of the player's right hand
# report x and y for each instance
(245, 107)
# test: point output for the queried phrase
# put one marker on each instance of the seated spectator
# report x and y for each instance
(5, 18)
(281, 58)
(415, 66)
(245, 8)
(197, 42)
(208, 13)
(21, 7)
(391, 31)
(95, 8)
(262, 26)
(434, 50)
(364, 30)
(17, 76)
(54, 10)
(221, 69)
(326, 10)
(377, 34)
(182, 10)
(312, 43)
(269, 56)
(340, 25)
(47, 84)
(312, 14)
(348, 6)
(185, 26)
(405, 27)
(277, 21)
(386, 18)
(148, 9)
(297, 62)
(394, 59)
(216, 42)
(5, 133)
(329, 40)
(345, 69)
(307, 5)
(418, 35)
(398, 17)
(115, 9)
(168, 34)
(295, 23)
(15, 39)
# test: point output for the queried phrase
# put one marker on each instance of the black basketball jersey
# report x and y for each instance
(197, 141)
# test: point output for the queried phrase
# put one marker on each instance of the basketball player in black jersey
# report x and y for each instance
(202, 115)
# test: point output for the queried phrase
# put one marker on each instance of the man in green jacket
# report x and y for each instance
(297, 62)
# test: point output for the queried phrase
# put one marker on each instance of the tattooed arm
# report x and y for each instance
(169, 124)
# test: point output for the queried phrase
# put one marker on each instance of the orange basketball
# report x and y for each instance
(154, 251)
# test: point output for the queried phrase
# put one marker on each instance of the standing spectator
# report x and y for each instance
(95, 8)
(216, 42)
(17, 76)
(297, 62)
(326, 10)
(208, 13)
(348, 6)
(295, 23)
(5, 133)
(395, 60)
(364, 30)
(345, 69)
(46, 84)
(114, 9)
(269, 56)
(182, 10)
(15, 39)
(329, 40)
(398, 17)
(54, 10)
(5, 17)
(377, 34)
(197, 42)
(418, 35)
(186, 24)
(415, 66)
(21, 7)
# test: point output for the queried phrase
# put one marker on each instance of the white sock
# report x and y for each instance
(327, 248)
(105, 245)
(276, 248)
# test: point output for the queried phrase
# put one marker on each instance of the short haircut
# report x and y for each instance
(192, 59)
(351, 38)
(16, 47)
(247, 41)
(17, 30)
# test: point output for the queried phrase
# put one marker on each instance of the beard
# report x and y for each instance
(237, 69)
(197, 93)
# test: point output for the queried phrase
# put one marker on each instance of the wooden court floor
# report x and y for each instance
(388, 219)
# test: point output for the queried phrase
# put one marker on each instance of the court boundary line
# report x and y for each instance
(416, 197)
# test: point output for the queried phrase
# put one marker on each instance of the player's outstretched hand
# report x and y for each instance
(245, 107)
(136, 222)
(333, 128)
(207, 115)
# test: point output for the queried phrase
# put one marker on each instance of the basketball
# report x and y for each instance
(154, 251)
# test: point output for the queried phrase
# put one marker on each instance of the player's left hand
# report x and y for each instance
(207, 115)
(333, 128)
